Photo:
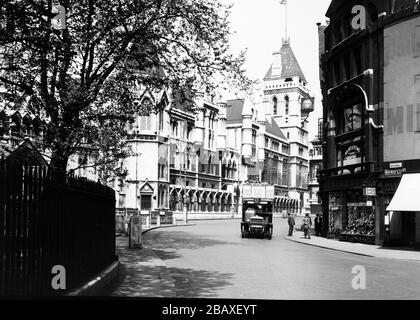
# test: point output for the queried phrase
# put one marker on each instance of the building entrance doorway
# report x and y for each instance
(408, 228)
(146, 202)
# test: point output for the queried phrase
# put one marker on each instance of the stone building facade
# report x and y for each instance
(196, 159)
(359, 131)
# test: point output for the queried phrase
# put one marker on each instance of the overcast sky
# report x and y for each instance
(259, 27)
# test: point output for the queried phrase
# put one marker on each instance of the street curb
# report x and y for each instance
(119, 234)
(171, 226)
(216, 219)
(95, 285)
(329, 248)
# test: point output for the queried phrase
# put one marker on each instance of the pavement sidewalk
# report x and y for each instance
(142, 272)
(356, 248)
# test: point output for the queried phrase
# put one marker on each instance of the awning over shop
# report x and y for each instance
(407, 197)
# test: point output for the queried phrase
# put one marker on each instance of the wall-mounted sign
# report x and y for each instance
(396, 165)
(369, 192)
(360, 204)
(394, 172)
(401, 117)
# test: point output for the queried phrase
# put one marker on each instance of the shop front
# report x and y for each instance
(352, 216)
(403, 213)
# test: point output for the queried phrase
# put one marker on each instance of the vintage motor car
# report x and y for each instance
(257, 211)
(257, 221)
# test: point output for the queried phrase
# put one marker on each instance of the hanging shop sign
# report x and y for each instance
(369, 192)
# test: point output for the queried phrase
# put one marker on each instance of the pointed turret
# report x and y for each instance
(247, 117)
(285, 65)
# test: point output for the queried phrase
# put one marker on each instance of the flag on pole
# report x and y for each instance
(283, 2)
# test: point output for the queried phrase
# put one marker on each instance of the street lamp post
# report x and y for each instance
(185, 185)
(235, 204)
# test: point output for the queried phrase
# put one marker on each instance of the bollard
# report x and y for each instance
(185, 213)
(158, 219)
(135, 232)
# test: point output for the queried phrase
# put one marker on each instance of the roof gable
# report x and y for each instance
(274, 129)
(146, 188)
(24, 153)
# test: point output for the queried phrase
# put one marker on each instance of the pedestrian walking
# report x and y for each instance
(318, 225)
(307, 223)
(291, 222)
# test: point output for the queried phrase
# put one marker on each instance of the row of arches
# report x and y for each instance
(16, 124)
(201, 200)
(282, 204)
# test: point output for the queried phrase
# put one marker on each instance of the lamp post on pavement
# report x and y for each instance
(185, 184)
(235, 199)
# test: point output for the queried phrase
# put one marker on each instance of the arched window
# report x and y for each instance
(161, 115)
(3, 124)
(27, 125)
(145, 110)
(16, 124)
(209, 166)
(275, 106)
(286, 104)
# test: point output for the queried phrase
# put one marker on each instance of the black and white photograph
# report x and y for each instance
(212, 155)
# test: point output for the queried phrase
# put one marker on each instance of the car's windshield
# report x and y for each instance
(258, 208)
(251, 211)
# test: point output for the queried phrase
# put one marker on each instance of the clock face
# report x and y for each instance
(307, 103)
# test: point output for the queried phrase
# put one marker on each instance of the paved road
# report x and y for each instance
(210, 260)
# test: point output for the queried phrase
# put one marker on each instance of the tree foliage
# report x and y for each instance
(85, 78)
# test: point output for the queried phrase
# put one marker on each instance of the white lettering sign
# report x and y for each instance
(359, 20)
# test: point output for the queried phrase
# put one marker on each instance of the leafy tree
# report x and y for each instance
(85, 78)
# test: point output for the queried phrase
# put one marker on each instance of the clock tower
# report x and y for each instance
(287, 101)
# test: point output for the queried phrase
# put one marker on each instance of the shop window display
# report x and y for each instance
(361, 217)
(336, 213)
(350, 217)
(361, 220)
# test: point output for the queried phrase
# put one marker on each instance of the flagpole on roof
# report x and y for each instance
(284, 2)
